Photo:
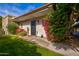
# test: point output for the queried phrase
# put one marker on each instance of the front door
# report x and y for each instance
(33, 27)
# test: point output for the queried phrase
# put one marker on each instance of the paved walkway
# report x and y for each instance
(57, 47)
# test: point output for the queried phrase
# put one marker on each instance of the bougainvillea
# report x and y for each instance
(46, 27)
(19, 30)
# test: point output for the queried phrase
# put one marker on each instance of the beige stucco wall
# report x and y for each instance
(39, 27)
(25, 25)
(4, 24)
(5, 21)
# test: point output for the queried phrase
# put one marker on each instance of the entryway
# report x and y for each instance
(33, 27)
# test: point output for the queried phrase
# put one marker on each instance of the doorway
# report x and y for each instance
(33, 27)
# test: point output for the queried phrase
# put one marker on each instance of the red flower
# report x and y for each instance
(19, 30)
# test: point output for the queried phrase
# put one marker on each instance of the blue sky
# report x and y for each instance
(17, 9)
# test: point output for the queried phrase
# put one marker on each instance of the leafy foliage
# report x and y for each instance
(60, 19)
(0, 22)
(22, 33)
(12, 27)
(2, 32)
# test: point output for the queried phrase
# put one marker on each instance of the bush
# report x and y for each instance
(19, 30)
(0, 22)
(59, 21)
(1, 32)
(22, 33)
(12, 27)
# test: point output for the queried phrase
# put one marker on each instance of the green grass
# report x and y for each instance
(14, 46)
(46, 52)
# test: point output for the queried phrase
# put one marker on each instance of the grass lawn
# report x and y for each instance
(46, 52)
(14, 46)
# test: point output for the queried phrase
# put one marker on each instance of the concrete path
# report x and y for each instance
(57, 47)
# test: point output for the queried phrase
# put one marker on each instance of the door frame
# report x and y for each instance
(33, 27)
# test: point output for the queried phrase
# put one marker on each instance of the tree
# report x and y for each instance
(1, 30)
(12, 26)
(60, 19)
(0, 22)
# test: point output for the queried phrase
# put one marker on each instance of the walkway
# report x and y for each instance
(57, 47)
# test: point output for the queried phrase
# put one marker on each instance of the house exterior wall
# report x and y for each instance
(25, 25)
(39, 27)
(5, 21)
(4, 24)
(25, 20)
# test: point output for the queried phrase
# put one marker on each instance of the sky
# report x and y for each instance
(17, 9)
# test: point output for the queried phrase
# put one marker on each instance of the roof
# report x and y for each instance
(35, 13)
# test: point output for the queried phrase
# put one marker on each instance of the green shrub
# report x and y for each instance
(22, 33)
(12, 27)
(59, 21)
(0, 22)
(1, 32)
